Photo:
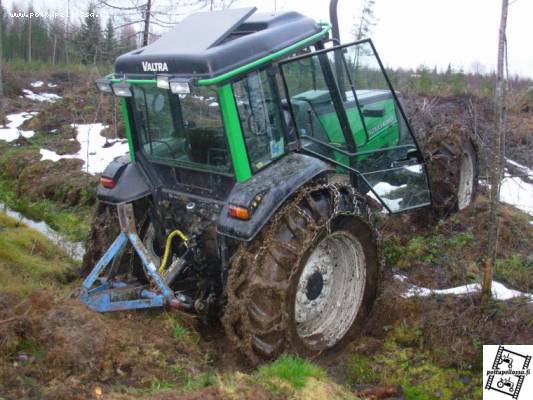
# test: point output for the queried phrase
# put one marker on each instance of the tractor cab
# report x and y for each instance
(208, 108)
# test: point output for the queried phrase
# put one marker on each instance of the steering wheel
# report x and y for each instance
(165, 143)
(253, 128)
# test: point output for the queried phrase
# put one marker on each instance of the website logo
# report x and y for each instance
(507, 372)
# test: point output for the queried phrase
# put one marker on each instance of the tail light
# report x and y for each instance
(108, 183)
(238, 212)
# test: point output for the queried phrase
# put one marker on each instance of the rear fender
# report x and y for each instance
(273, 185)
(130, 182)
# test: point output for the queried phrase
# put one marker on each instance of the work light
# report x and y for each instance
(180, 86)
(104, 85)
(162, 81)
(121, 89)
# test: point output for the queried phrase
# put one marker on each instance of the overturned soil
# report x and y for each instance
(63, 350)
(55, 348)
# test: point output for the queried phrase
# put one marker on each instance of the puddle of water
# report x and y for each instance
(74, 249)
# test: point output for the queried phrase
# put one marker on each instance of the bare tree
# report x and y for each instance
(144, 14)
(366, 21)
(477, 67)
(1, 59)
(496, 168)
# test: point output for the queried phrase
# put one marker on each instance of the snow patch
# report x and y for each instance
(526, 170)
(96, 152)
(52, 85)
(518, 193)
(49, 97)
(37, 84)
(52, 155)
(499, 291)
(385, 187)
(11, 130)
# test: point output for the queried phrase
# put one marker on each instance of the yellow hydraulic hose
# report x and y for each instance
(172, 235)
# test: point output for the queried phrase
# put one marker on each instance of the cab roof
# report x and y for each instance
(208, 44)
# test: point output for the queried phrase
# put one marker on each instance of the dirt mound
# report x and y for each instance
(60, 181)
(476, 115)
(13, 160)
(63, 350)
(451, 328)
(451, 252)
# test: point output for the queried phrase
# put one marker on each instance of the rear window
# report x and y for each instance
(181, 130)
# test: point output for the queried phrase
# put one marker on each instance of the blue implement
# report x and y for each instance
(116, 295)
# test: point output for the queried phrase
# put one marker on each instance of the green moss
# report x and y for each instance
(200, 381)
(28, 260)
(180, 331)
(290, 369)
(360, 371)
(412, 368)
(516, 271)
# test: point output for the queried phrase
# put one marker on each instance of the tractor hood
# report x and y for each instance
(208, 44)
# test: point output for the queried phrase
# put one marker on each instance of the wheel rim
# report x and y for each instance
(330, 290)
(466, 181)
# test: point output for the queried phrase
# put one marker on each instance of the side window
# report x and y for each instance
(261, 118)
(346, 111)
(312, 105)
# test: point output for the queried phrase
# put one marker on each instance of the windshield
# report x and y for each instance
(181, 130)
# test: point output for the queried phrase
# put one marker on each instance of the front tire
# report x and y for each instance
(452, 162)
(306, 284)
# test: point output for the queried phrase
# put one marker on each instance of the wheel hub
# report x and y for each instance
(315, 284)
(466, 181)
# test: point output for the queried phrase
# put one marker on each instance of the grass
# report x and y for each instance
(23, 66)
(73, 223)
(433, 250)
(28, 260)
(290, 369)
(402, 362)
(516, 271)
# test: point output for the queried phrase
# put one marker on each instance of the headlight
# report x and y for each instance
(162, 81)
(180, 86)
(121, 89)
(104, 85)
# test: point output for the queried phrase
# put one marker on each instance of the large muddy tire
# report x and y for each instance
(306, 284)
(452, 163)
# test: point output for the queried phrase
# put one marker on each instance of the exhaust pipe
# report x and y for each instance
(336, 36)
(334, 19)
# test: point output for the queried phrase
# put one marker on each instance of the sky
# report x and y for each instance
(409, 33)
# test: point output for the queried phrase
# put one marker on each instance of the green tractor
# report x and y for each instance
(256, 142)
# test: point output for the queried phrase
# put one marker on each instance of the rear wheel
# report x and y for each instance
(453, 170)
(307, 282)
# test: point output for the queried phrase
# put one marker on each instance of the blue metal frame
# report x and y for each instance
(120, 296)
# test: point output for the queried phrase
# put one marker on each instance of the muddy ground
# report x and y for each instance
(414, 348)
(51, 347)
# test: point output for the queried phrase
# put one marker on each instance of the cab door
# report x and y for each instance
(346, 112)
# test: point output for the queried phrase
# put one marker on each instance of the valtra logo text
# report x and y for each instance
(154, 66)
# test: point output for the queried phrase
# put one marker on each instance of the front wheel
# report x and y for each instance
(453, 169)
(306, 284)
